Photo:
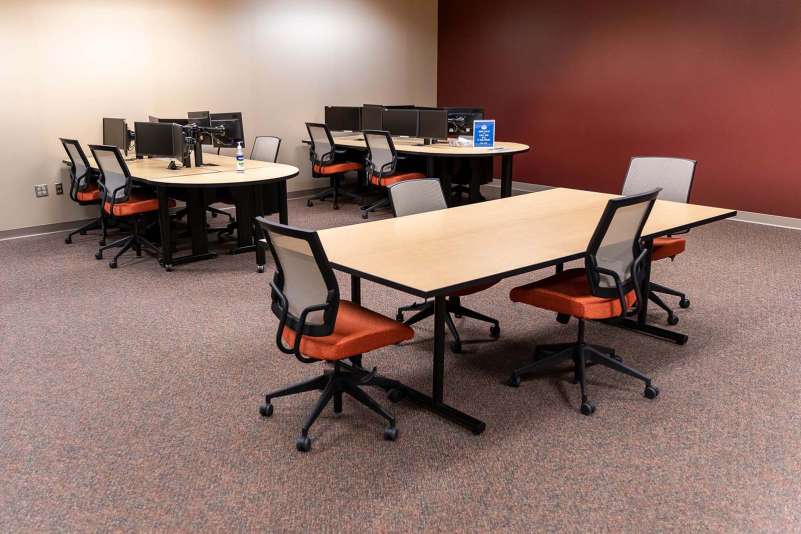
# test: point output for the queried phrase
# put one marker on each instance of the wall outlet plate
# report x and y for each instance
(40, 190)
(59, 188)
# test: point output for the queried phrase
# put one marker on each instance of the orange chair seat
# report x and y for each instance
(357, 330)
(90, 194)
(393, 179)
(667, 247)
(569, 292)
(134, 205)
(471, 290)
(338, 168)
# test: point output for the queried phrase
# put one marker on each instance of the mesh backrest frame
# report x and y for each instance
(81, 170)
(422, 195)
(116, 183)
(674, 176)
(616, 243)
(322, 144)
(382, 157)
(302, 269)
(265, 148)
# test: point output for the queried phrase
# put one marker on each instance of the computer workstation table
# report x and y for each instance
(434, 254)
(248, 189)
(415, 147)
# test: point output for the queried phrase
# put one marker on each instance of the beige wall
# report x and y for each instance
(65, 64)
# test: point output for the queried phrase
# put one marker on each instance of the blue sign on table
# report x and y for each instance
(484, 133)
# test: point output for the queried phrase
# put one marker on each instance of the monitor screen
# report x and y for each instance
(159, 139)
(115, 133)
(201, 118)
(343, 119)
(371, 117)
(433, 124)
(234, 132)
(400, 122)
(460, 120)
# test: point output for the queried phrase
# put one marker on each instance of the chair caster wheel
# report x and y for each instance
(456, 347)
(68, 241)
(303, 444)
(260, 268)
(396, 394)
(168, 267)
(495, 331)
(399, 317)
(391, 433)
(309, 203)
(364, 215)
(673, 320)
(651, 392)
(98, 255)
(456, 315)
(514, 380)
(336, 206)
(213, 215)
(684, 303)
(112, 264)
(588, 408)
(266, 410)
(562, 318)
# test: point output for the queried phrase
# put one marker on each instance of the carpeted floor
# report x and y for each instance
(129, 401)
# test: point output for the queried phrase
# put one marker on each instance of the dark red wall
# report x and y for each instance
(590, 83)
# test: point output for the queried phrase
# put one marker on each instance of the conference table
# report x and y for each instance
(433, 152)
(433, 254)
(249, 190)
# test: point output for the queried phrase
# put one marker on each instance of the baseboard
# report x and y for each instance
(43, 229)
(768, 220)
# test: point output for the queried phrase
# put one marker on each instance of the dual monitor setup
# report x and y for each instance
(429, 124)
(174, 138)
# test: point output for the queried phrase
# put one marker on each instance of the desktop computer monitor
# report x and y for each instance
(151, 118)
(400, 122)
(343, 119)
(432, 123)
(160, 139)
(460, 120)
(115, 133)
(234, 129)
(182, 122)
(371, 117)
(201, 118)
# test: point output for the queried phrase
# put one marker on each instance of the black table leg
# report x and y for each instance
(356, 298)
(164, 227)
(196, 207)
(506, 175)
(641, 323)
(283, 208)
(430, 171)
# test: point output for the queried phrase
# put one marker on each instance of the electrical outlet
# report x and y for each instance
(59, 188)
(40, 190)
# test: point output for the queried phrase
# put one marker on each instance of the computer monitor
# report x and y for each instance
(151, 118)
(115, 133)
(234, 129)
(182, 122)
(432, 123)
(343, 118)
(460, 120)
(160, 139)
(201, 118)
(371, 116)
(400, 122)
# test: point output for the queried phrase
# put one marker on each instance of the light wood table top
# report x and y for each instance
(221, 173)
(436, 252)
(415, 146)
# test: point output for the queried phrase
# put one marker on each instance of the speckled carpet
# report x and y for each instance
(129, 402)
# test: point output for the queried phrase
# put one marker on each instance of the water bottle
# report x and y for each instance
(240, 158)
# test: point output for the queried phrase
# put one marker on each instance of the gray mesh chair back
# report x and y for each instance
(80, 172)
(615, 250)
(305, 290)
(116, 183)
(417, 196)
(673, 175)
(265, 148)
(322, 144)
(381, 156)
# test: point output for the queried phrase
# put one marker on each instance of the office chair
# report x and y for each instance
(609, 287)
(265, 148)
(122, 201)
(419, 196)
(382, 163)
(305, 298)
(83, 188)
(675, 177)
(323, 155)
